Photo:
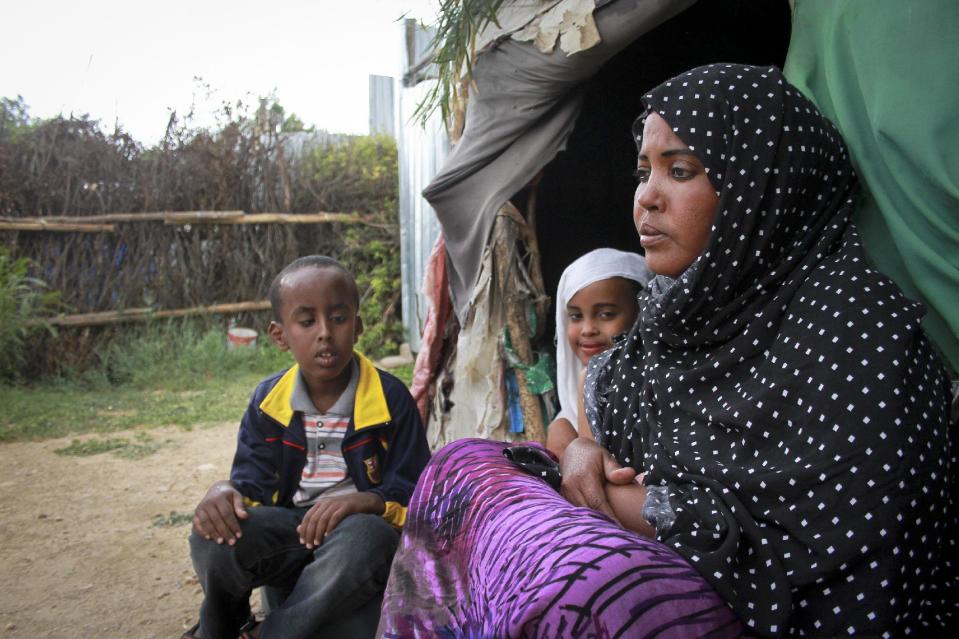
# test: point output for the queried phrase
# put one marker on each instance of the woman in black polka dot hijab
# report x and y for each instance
(789, 414)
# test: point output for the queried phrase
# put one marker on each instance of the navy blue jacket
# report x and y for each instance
(384, 448)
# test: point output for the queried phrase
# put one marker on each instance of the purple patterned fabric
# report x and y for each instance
(490, 551)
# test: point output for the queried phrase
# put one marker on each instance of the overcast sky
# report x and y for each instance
(134, 61)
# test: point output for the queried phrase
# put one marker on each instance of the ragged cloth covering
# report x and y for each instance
(523, 105)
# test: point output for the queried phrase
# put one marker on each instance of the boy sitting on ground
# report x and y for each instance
(327, 457)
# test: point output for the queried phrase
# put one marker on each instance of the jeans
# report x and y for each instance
(325, 585)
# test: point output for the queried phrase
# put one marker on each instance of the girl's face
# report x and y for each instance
(599, 312)
(675, 202)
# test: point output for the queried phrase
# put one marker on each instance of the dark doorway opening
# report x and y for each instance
(584, 199)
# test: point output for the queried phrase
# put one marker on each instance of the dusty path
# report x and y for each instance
(81, 556)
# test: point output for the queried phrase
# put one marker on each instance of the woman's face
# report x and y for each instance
(675, 202)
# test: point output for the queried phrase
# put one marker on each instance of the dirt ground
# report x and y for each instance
(81, 553)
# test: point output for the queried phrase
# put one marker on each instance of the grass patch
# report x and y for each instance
(58, 410)
(142, 446)
(90, 447)
(172, 520)
(166, 374)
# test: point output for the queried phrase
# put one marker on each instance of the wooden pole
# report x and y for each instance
(105, 223)
(35, 224)
(506, 231)
(149, 216)
(277, 218)
(146, 314)
(535, 261)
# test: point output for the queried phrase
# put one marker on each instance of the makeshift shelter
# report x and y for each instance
(542, 174)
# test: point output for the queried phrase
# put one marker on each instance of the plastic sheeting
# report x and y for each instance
(523, 105)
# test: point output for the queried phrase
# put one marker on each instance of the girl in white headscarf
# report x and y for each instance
(595, 302)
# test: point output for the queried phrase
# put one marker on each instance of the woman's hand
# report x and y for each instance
(558, 436)
(587, 467)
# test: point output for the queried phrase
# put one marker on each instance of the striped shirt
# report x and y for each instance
(324, 473)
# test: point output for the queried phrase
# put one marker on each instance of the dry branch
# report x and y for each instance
(194, 217)
(144, 314)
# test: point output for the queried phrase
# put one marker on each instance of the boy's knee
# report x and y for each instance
(360, 549)
(206, 553)
(264, 531)
(372, 533)
(378, 530)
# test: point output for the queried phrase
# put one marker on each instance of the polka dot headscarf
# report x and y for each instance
(780, 391)
(784, 182)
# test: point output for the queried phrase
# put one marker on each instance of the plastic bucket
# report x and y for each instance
(238, 337)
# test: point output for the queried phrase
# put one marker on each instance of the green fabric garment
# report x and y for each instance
(887, 73)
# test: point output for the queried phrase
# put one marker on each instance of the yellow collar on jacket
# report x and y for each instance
(369, 408)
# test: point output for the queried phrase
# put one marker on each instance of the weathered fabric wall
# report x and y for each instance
(522, 107)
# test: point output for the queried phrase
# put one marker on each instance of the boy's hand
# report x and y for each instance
(326, 514)
(218, 514)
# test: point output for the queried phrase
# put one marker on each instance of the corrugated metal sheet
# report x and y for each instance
(422, 151)
(382, 108)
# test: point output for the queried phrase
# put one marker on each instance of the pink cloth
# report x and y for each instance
(437, 290)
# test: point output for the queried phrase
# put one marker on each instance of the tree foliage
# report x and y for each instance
(454, 51)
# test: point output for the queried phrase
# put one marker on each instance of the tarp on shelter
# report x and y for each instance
(521, 111)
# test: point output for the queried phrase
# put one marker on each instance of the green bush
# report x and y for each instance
(376, 265)
(24, 300)
(364, 170)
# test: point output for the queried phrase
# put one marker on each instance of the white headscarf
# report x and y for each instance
(597, 265)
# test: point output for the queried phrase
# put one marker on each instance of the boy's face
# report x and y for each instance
(319, 324)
